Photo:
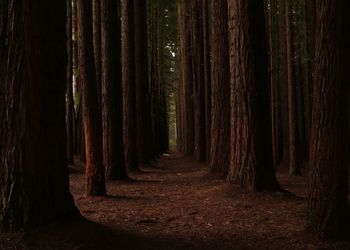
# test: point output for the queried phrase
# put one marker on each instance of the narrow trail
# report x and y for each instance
(177, 204)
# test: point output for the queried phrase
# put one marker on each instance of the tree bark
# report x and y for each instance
(34, 185)
(69, 93)
(251, 164)
(94, 169)
(186, 80)
(327, 202)
(143, 103)
(197, 44)
(112, 96)
(207, 73)
(96, 24)
(220, 125)
(129, 85)
(294, 156)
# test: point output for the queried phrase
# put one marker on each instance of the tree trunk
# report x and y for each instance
(94, 170)
(187, 79)
(327, 203)
(220, 125)
(294, 161)
(144, 122)
(129, 85)
(274, 80)
(96, 24)
(283, 79)
(112, 96)
(251, 164)
(197, 44)
(69, 93)
(206, 45)
(34, 186)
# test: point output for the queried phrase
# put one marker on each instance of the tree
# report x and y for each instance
(129, 85)
(197, 45)
(251, 164)
(294, 156)
(220, 89)
(96, 27)
(186, 68)
(112, 96)
(274, 81)
(94, 169)
(327, 202)
(143, 102)
(70, 113)
(34, 185)
(206, 45)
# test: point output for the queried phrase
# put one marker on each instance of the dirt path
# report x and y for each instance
(176, 204)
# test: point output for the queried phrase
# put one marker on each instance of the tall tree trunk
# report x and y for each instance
(251, 164)
(96, 24)
(94, 170)
(207, 73)
(144, 121)
(69, 93)
(294, 161)
(129, 86)
(78, 124)
(112, 96)
(197, 44)
(34, 186)
(187, 76)
(283, 79)
(327, 203)
(220, 125)
(310, 12)
(274, 80)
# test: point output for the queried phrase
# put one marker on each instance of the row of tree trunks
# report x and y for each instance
(291, 32)
(127, 137)
(34, 185)
(194, 87)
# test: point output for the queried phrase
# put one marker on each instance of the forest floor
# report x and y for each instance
(176, 204)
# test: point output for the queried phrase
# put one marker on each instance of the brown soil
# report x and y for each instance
(176, 204)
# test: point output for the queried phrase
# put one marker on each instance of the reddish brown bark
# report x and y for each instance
(94, 169)
(188, 80)
(294, 161)
(69, 93)
(207, 73)
(186, 69)
(197, 44)
(220, 89)
(34, 185)
(251, 164)
(143, 103)
(96, 24)
(129, 85)
(327, 203)
(112, 97)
